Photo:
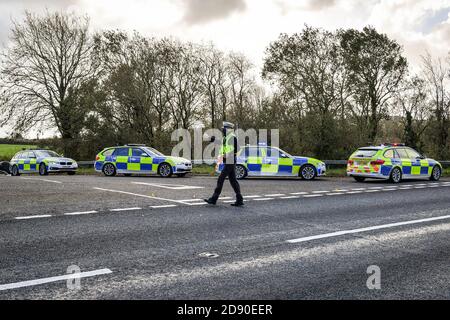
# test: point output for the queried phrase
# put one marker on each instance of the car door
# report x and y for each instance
(253, 160)
(419, 166)
(32, 161)
(120, 158)
(270, 161)
(407, 168)
(140, 161)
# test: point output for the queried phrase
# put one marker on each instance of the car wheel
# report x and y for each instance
(109, 170)
(71, 173)
(15, 171)
(359, 179)
(240, 171)
(165, 170)
(308, 172)
(43, 170)
(436, 174)
(396, 175)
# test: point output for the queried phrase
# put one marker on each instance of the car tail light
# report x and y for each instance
(377, 162)
(97, 158)
(350, 162)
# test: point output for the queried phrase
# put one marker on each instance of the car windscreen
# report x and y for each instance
(46, 154)
(365, 153)
(152, 151)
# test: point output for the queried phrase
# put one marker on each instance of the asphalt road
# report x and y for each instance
(154, 238)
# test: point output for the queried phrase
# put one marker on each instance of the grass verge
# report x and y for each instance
(7, 151)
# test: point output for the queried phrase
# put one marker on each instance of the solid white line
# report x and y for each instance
(139, 195)
(298, 193)
(54, 279)
(39, 179)
(79, 213)
(312, 195)
(164, 206)
(383, 226)
(125, 209)
(274, 195)
(262, 199)
(290, 197)
(33, 217)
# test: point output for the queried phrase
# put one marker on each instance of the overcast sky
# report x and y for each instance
(249, 26)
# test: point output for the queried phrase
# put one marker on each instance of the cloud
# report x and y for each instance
(202, 11)
(320, 4)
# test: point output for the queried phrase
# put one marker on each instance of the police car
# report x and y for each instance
(41, 161)
(139, 159)
(264, 160)
(392, 162)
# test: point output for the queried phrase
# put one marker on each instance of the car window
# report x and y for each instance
(18, 155)
(412, 153)
(121, 152)
(389, 154)
(46, 154)
(365, 153)
(272, 152)
(29, 155)
(152, 151)
(252, 152)
(135, 152)
(108, 152)
(402, 153)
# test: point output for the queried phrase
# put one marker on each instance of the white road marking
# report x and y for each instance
(340, 190)
(36, 282)
(290, 197)
(195, 199)
(229, 201)
(312, 195)
(353, 192)
(125, 209)
(139, 195)
(262, 199)
(405, 188)
(39, 179)
(197, 204)
(164, 206)
(375, 188)
(298, 193)
(320, 191)
(419, 187)
(369, 191)
(334, 193)
(79, 213)
(359, 230)
(33, 217)
(252, 196)
(274, 195)
(358, 189)
(168, 186)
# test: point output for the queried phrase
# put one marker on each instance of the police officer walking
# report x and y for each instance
(228, 152)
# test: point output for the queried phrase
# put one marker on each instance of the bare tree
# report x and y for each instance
(48, 62)
(437, 74)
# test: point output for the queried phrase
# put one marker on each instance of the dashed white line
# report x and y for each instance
(33, 217)
(290, 197)
(139, 195)
(79, 213)
(334, 193)
(359, 230)
(274, 195)
(164, 206)
(320, 191)
(262, 199)
(35, 282)
(197, 204)
(125, 209)
(252, 196)
(353, 192)
(298, 193)
(312, 195)
(370, 191)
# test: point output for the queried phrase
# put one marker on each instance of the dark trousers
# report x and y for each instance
(228, 170)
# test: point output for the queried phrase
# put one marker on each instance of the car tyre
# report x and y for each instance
(109, 170)
(396, 175)
(43, 170)
(359, 179)
(308, 172)
(15, 171)
(241, 172)
(165, 170)
(436, 173)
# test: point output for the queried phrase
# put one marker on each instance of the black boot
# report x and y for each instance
(210, 201)
(239, 202)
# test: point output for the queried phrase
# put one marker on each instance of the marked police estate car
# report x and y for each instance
(392, 162)
(41, 161)
(139, 159)
(263, 160)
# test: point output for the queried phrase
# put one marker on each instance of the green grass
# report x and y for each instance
(337, 172)
(7, 151)
(203, 169)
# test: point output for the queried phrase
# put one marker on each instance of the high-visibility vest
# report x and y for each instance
(228, 146)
